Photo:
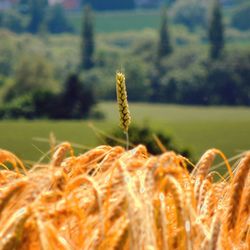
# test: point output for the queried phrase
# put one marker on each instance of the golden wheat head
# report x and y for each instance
(122, 100)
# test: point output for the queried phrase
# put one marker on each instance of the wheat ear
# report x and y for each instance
(122, 100)
(237, 190)
(60, 154)
(202, 169)
(170, 184)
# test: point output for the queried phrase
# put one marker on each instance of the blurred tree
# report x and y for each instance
(23, 6)
(57, 20)
(30, 75)
(136, 75)
(37, 10)
(156, 94)
(216, 31)
(45, 103)
(12, 20)
(164, 44)
(20, 107)
(164, 49)
(191, 13)
(76, 99)
(88, 46)
(230, 79)
(73, 102)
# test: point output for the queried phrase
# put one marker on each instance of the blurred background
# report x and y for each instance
(187, 66)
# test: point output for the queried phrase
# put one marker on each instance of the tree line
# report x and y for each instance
(157, 71)
(73, 101)
(220, 79)
(36, 16)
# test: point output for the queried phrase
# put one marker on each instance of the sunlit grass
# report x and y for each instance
(199, 128)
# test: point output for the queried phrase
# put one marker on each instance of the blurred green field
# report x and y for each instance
(128, 20)
(117, 21)
(200, 128)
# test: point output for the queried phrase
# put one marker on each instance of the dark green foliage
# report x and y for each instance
(216, 31)
(7, 57)
(241, 19)
(31, 74)
(164, 49)
(13, 21)
(23, 6)
(37, 11)
(88, 43)
(20, 107)
(57, 20)
(45, 103)
(228, 80)
(191, 13)
(190, 78)
(186, 76)
(164, 45)
(145, 135)
(33, 105)
(34, 16)
(74, 102)
(76, 99)
(156, 93)
(136, 81)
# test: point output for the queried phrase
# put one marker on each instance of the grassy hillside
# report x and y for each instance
(198, 127)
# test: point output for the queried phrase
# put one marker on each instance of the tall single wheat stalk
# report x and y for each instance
(122, 100)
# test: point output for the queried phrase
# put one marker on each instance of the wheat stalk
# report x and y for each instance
(13, 238)
(215, 232)
(122, 100)
(10, 191)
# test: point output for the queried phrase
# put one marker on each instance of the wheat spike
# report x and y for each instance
(245, 207)
(205, 186)
(236, 192)
(122, 100)
(202, 169)
(170, 184)
(60, 153)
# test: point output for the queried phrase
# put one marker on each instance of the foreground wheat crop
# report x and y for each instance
(109, 198)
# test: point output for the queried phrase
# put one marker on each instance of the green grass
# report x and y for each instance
(200, 128)
(130, 20)
(115, 21)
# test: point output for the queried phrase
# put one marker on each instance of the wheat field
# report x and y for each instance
(112, 198)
